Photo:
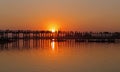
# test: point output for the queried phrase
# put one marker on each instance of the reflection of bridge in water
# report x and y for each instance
(14, 35)
(44, 44)
(33, 44)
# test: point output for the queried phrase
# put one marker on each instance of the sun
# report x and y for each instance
(53, 26)
(53, 30)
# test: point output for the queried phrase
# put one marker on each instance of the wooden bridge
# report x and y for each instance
(59, 35)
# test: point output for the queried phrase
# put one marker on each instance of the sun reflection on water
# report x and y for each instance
(53, 45)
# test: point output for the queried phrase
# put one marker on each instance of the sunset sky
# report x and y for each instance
(76, 15)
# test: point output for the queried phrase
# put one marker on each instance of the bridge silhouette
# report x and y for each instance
(13, 35)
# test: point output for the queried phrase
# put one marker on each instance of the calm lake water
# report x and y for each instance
(51, 56)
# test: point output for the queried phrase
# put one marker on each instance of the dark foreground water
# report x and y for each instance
(51, 56)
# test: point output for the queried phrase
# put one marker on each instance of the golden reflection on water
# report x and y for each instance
(53, 51)
(53, 56)
(53, 44)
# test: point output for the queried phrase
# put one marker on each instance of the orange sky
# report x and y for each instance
(77, 15)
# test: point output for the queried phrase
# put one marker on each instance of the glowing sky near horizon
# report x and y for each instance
(78, 15)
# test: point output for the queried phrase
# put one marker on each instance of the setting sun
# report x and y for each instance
(53, 30)
(53, 26)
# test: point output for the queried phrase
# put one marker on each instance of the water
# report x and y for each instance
(51, 56)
